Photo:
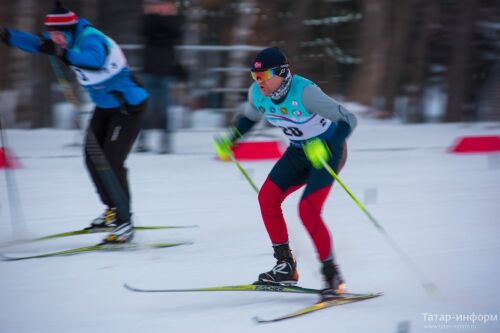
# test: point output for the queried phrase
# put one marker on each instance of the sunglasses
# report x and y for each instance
(269, 73)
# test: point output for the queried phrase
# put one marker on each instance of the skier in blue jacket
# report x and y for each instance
(120, 102)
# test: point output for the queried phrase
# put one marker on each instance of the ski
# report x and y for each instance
(242, 287)
(94, 248)
(108, 229)
(339, 300)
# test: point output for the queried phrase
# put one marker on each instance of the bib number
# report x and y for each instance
(81, 75)
(292, 131)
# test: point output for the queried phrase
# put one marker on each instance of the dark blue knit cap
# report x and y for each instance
(269, 58)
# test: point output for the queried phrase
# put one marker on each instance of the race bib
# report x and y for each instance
(300, 130)
(115, 62)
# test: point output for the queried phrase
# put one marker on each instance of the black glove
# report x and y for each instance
(47, 46)
(4, 34)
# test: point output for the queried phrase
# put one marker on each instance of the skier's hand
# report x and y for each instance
(223, 145)
(316, 151)
(47, 46)
(4, 34)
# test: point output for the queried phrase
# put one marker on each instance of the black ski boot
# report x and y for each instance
(335, 284)
(105, 221)
(285, 272)
(123, 233)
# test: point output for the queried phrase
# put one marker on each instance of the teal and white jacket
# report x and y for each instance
(306, 112)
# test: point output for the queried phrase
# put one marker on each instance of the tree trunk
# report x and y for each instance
(459, 74)
(238, 59)
(373, 43)
(397, 53)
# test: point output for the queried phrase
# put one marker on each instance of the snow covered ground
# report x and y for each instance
(442, 208)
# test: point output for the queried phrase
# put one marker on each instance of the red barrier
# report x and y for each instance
(7, 159)
(477, 144)
(258, 150)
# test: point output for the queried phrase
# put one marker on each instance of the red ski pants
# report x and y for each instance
(290, 173)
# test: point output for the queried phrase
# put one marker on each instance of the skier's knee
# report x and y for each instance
(270, 197)
(307, 209)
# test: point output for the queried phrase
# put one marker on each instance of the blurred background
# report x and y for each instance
(414, 60)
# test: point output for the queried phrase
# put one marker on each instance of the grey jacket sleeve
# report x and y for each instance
(249, 110)
(316, 101)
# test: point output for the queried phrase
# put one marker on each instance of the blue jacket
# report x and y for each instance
(89, 52)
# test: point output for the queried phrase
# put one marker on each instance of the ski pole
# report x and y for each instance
(243, 171)
(15, 206)
(68, 92)
(353, 197)
(316, 151)
(222, 146)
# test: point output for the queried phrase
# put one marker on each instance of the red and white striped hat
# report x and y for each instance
(60, 18)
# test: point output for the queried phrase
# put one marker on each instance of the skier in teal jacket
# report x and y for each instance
(304, 112)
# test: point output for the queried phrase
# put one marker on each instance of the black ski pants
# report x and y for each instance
(110, 136)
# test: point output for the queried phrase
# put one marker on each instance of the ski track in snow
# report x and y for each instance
(442, 209)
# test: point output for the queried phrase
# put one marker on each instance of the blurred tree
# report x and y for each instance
(240, 35)
(409, 47)
(373, 46)
(25, 74)
(487, 60)
(460, 17)
(397, 30)
(386, 54)
(5, 80)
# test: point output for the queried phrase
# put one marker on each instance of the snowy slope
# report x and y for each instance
(443, 209)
